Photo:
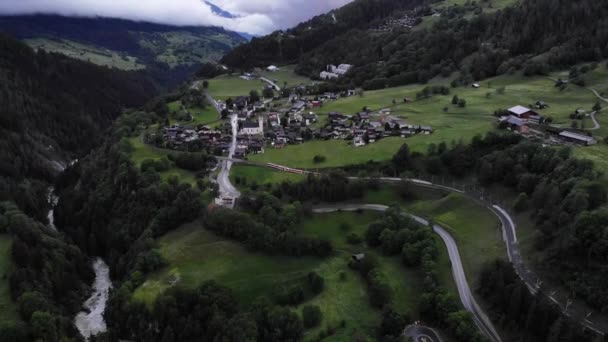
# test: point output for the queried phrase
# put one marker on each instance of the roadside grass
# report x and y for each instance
(286, 74)
(196, 255)
(142, 152)
(225, 86)
(89, 53)
(260, 175)
(476, 229)
(9, 310)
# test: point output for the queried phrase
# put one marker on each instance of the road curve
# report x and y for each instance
(271, 82)
(464, 291)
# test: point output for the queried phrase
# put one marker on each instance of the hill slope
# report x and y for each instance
(475, 41)
(54, 108)
(169, 53)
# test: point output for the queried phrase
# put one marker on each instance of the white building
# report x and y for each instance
(251, 128)
(273, 68)
(324, 75)
(333, 71)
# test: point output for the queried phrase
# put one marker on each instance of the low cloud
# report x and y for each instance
(255, 16)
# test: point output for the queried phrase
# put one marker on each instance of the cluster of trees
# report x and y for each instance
(429, 91)
(271, 230)
(397, 234)
(528, 316)
(333, 187)
(308, 287)
(207, 313)
(111, 208)
(48, 279)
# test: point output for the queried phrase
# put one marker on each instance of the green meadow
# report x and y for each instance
(451, 123)
(196, 255)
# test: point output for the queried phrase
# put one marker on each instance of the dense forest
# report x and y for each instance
(290, 46)
(557, 33)
(53, 109)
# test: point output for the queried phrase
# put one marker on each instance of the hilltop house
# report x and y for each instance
(522, 112)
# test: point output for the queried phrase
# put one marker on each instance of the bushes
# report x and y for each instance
(192, 161)
(311, 316)
(318, 159)
(316, 283)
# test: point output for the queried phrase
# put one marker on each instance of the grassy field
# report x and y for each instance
(223, 87)
(87, 53)
(142, 152)
(453, 124)
(8, 311)
(260, 175)
(196, 255)
(199, 115)
(287, 75)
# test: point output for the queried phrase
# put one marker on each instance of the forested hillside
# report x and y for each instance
(531, 35)
(169, 54)
(289, 46)
(52, 109)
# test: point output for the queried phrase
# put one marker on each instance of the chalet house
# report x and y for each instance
(522, 112)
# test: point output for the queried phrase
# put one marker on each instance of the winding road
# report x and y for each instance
(577, 312)
(223, 179)
(464, 291)
(271, 82)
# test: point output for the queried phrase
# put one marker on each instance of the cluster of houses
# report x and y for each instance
(365, 128)
(520, 118)
(408, 20)
(188, 138)
(332, 71)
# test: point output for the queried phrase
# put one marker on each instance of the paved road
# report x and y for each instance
(223, 179)
(578, 311)
(419, 333)
(466, 296)
(271, 82)
(596, 125)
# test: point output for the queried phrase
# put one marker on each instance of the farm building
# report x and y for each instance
(522, 112)
(577, 138)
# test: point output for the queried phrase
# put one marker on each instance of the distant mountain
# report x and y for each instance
(225, 14)
(219, 11)
(169, 53)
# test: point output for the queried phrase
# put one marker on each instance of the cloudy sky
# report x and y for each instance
(255, 16)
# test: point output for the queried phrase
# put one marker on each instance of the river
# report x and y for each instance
(52, 199)
(91, 321)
